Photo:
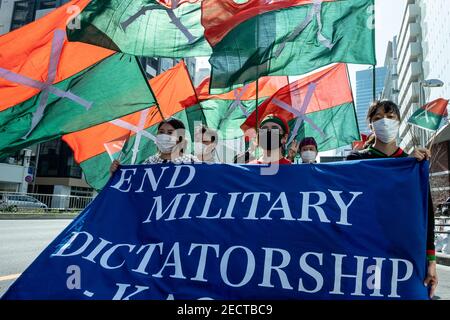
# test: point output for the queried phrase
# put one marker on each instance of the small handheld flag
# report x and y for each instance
(429, 116)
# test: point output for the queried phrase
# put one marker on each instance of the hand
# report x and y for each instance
(293, 150)
(421, 154)
(431, 280)
(114, 166)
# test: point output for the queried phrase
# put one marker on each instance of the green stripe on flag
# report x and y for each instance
(143, 28)
(96, 169)
(226, 122)
(115, 86)
(426, 120)
(264, 45)
(338, 124)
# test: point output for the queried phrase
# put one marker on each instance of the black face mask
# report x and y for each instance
(270, 140)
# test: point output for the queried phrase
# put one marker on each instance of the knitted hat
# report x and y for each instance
(308, 141)
(280, 121)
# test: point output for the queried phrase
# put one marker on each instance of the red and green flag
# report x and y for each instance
(359, 145)
(151, 28)
(257, 38)
(131, 138)
(226, 112)
(429, 116)
(50, 87)
(319, 105)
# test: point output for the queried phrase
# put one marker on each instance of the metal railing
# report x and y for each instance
(36, 202)
(442, 231)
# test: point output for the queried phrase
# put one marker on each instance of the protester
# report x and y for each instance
(384, 121)
(171, 143)
(205, 143)
(308, 150)
(273, 134)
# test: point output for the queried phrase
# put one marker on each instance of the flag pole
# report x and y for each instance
(374, 72)
(38, 153)
(374, 84)
(201, 107)
(353, 100)
(196, 94)
(257, 76)
(257, 81)
(415, 138)
(149, 87)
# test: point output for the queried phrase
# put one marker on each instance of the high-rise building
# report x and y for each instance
(436, 46)
(419, 53)
(17, 13)
(410, 73)
(436, 65)
(6, 14)
(390, 91)
(365, 94)
(201, 75)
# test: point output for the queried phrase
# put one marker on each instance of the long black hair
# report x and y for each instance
(388, 106)
(176, 124)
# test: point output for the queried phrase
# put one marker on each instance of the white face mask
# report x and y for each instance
(386, 130)
(166, 143)
(309, 156)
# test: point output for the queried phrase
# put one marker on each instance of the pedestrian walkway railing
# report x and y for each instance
(35, 202)
(442, 224)
(442, 231)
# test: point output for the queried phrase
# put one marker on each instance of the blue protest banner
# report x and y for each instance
(350, 230)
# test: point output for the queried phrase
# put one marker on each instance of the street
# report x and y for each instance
(21, 241)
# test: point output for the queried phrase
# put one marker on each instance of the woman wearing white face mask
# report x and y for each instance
(384, 121)
(171, 144)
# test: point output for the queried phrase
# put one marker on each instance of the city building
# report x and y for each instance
(436, 65)
(420, 53)
(365, 94)
(17, 13)
(410, 74)
(200, 75)
(16, 172)
(390, 90)
(57, 172)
